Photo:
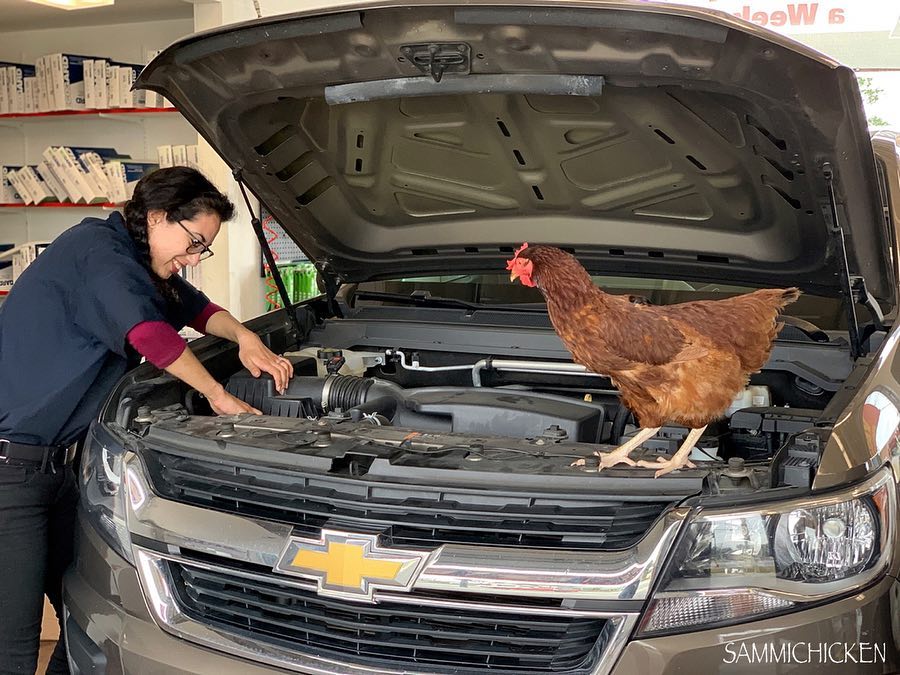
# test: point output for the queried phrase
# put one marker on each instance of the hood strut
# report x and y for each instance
(853, 287)
(270, 260)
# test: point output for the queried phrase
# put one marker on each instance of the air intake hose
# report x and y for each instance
(342, 391)
(364, 396)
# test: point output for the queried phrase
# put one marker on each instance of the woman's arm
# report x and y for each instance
(190, 371)
(161, 344)
(256, 357)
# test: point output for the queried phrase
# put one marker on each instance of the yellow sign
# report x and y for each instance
(350, 565)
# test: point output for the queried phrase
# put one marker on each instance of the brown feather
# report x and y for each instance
(680, 363)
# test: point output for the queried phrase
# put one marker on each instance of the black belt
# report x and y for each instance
(48, 456)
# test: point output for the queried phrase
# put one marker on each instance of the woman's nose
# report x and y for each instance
(193, 259)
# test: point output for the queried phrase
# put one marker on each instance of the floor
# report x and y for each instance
(44, 658)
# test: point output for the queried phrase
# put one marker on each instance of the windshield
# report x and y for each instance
(496, 289)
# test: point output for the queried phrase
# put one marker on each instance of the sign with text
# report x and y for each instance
(826, 16)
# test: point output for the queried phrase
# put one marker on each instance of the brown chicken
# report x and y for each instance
(681, 364)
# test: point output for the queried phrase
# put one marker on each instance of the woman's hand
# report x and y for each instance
(258, 359)
(224, 403)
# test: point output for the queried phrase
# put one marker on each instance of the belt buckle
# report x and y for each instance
(3, 445)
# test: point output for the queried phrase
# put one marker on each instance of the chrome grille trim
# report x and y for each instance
(626, 574)
(164, 607)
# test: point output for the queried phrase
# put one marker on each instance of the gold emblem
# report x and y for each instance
(348, 565)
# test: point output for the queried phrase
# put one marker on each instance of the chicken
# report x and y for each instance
(681, 364)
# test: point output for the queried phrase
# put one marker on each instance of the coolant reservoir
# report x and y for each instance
(354, 361)
(756, 396)
(744, 399)
(760, 396)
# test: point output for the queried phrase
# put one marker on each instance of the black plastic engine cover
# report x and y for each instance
(478, 410)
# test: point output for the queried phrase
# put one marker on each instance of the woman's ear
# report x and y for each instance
(155, 217)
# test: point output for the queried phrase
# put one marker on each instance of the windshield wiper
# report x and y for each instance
(423, 299)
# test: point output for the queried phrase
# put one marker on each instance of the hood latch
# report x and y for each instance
(332, 284)
(437, 58)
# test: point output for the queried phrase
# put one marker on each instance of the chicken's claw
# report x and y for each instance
(608, 459)
(666, 465)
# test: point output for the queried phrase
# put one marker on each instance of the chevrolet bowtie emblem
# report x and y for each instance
(348, 565)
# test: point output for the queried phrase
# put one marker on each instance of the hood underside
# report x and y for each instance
(657, 140)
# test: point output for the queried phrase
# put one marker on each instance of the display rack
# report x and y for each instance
(69, 113)
(135, 132)
(61, 205)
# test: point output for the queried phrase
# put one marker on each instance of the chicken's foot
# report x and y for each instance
(620, 454)
(679, 459)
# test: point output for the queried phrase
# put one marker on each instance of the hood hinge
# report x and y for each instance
(270, 261)
(853, 286)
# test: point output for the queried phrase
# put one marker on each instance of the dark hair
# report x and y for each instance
(182, 193)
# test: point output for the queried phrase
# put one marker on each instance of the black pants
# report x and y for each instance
(37, 521)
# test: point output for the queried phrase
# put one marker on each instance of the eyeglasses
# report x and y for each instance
(197, 245)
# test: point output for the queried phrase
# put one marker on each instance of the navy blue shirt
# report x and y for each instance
(63, 328)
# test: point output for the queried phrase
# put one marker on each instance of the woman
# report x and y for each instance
(104, 293)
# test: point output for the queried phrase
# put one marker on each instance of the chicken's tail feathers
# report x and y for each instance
(777, 297)
(789, 295)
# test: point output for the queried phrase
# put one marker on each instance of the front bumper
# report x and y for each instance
(110, 630)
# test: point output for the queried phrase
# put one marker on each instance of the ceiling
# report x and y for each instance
(22, 15)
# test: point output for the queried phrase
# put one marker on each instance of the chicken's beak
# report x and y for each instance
(513, 275)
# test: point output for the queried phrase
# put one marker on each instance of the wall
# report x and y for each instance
(125, 41)
(231, 278)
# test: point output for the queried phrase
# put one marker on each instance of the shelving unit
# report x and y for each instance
(60, 205)
(69, 113)
(231, 278)
(23, 137)
(131, 131)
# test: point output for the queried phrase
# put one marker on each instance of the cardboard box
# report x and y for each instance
(18, 182)
(22, 256)
(8, 193)
(45, 171)
(126, 74)
(179, 155)
(101, 83)
(164, 156)
(40, 192)
(31, 105)
(68, 81)
(55, 162)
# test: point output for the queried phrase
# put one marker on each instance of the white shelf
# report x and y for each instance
(111, 112)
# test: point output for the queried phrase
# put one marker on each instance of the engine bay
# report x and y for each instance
(359, 411)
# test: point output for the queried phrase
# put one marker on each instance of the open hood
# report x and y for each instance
(649, 139)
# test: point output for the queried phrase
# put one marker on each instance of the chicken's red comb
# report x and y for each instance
(509, 263)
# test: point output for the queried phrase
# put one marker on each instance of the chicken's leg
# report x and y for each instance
(679, 459)
(620, 454)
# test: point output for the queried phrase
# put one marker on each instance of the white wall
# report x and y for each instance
(128, 42)
(22, 140)
(231, 278)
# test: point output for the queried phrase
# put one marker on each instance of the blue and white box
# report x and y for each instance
(68, 81)
(8, 193)
(14, 80)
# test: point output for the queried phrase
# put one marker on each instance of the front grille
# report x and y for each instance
(422, 517)
(389, 635)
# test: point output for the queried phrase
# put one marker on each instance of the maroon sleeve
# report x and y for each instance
(157, 341)
(198, 323)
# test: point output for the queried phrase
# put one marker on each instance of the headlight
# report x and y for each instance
(733, 566)
(102, 489)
